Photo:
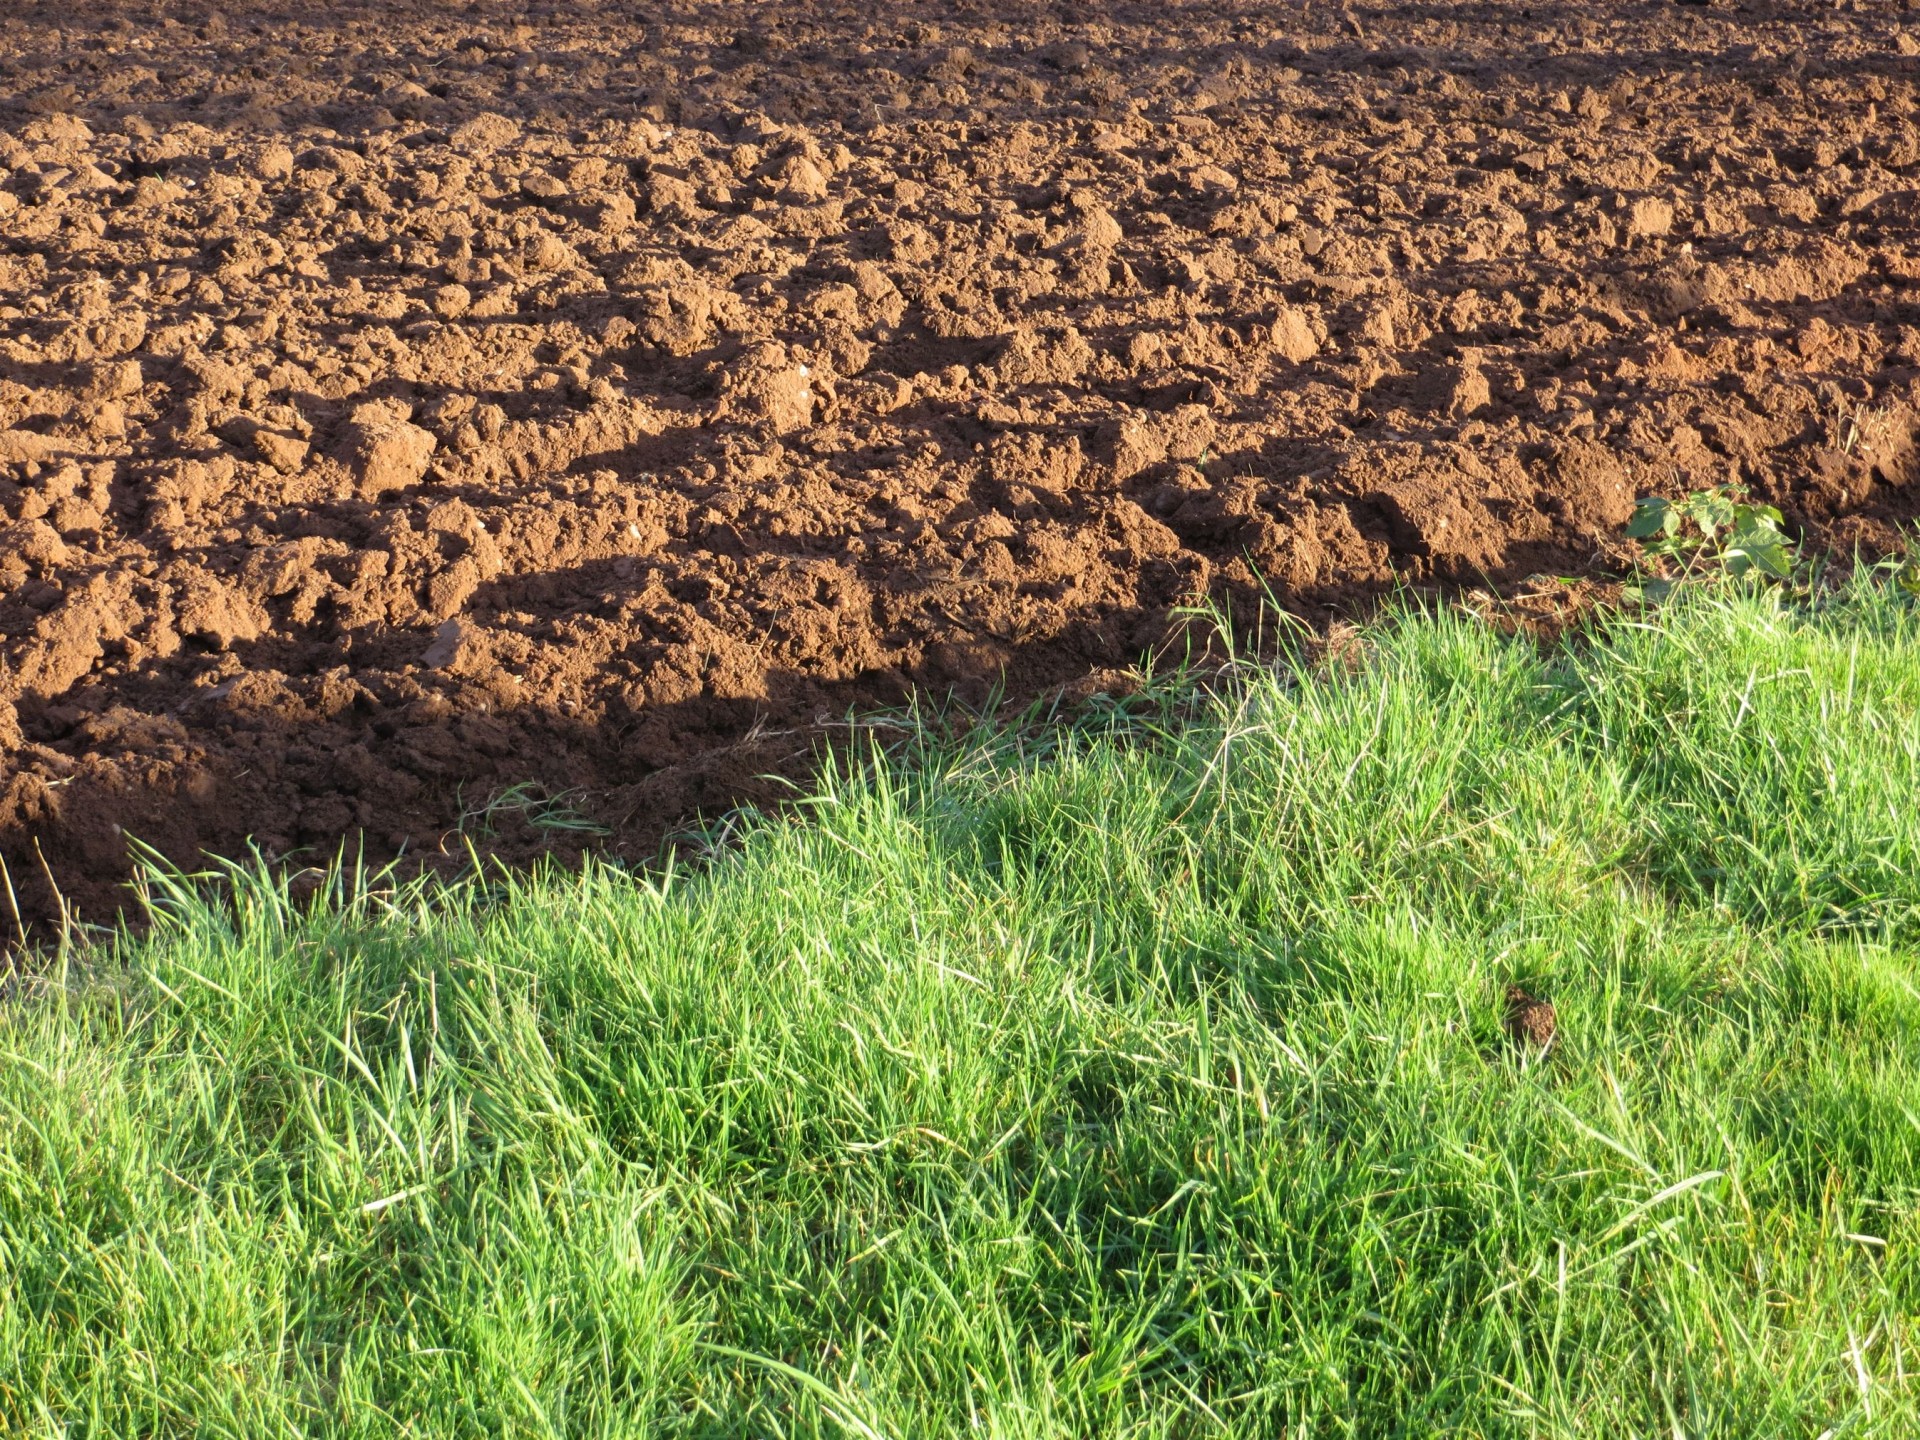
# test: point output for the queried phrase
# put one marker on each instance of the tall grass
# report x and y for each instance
(1141, 1077)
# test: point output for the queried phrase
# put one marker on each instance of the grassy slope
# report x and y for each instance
(1141, 1079)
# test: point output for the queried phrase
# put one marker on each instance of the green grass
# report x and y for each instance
(1140, 1077)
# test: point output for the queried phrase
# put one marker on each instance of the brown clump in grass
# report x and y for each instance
(1530, 1022)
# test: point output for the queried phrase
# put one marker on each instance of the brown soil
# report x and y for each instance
(400, 403)
(1530, 1020)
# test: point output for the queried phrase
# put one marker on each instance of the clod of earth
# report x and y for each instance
(1530, 1022)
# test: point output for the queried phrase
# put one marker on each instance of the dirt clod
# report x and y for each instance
(385, 454)
(1530, 1023)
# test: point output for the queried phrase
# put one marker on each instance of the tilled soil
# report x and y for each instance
(408, 411)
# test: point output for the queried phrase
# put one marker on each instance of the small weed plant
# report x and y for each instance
(1715, 528)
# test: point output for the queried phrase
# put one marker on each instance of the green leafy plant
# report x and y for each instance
(1717, 527)
(1906, 573)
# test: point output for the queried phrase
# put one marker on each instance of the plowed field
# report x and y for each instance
(409, 411)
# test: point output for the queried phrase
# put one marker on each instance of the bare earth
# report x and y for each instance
(404, 402)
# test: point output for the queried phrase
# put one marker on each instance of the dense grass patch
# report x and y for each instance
(1143, 1077)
